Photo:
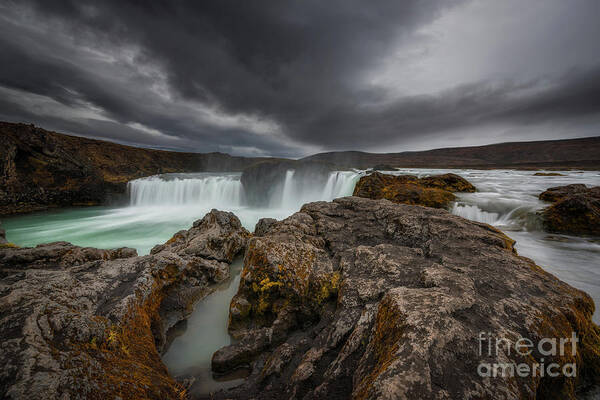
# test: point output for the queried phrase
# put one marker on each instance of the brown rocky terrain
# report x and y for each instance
(365, 299)
(581, 153)
(576, 209)
(88, 323)
(432, 191)
(41, 169)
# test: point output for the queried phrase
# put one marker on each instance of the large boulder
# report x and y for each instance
(576, 210)
(560, 192)
(450, 182)
(366, 299)
(433, 191)
(88, 323)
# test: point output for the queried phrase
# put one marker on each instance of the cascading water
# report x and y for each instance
(288, 194)
(224, 190)
(474, 213)
(296, 191)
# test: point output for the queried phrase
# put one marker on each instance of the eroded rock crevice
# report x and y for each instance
(88, 323)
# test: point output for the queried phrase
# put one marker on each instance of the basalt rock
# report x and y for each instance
(263, 225)
(450, 182)
(558, 193)
(576, 210)
(434, 191)
(88, 323)
(365, 299)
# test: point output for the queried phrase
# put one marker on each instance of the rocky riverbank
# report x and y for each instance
(367, 299)
(575, 209)
(354, 298)
(89, 323)
(432, 191)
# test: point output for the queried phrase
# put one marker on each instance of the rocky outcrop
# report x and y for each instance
(364, 299)
(576, 210)
(558, 193)
(263, 225)
(264, 178)
(449, 182)
(432, 191)
(88, 323)
(41, 169)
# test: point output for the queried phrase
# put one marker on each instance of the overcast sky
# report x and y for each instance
(291, 78)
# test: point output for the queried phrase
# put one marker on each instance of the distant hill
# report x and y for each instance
(581, 153)
(41, 169)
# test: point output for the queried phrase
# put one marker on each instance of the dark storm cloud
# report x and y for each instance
(281, 78)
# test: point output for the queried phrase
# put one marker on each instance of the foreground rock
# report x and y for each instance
(89, 323)
(363, 299)
(432, 191)
(576, 210)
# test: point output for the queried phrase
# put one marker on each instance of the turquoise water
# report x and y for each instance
(190, 353)
(160, 206)
(139, 227)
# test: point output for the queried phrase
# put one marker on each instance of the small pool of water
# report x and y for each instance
(190, 353)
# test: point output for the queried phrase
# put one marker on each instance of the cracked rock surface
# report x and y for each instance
(87, 323)
(366, 299)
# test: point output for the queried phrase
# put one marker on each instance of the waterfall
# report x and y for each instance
(499, 213)
(209, 190)
(225, 191)
(340, 184)
(297, 190)
(288, 196)
(474, 213)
